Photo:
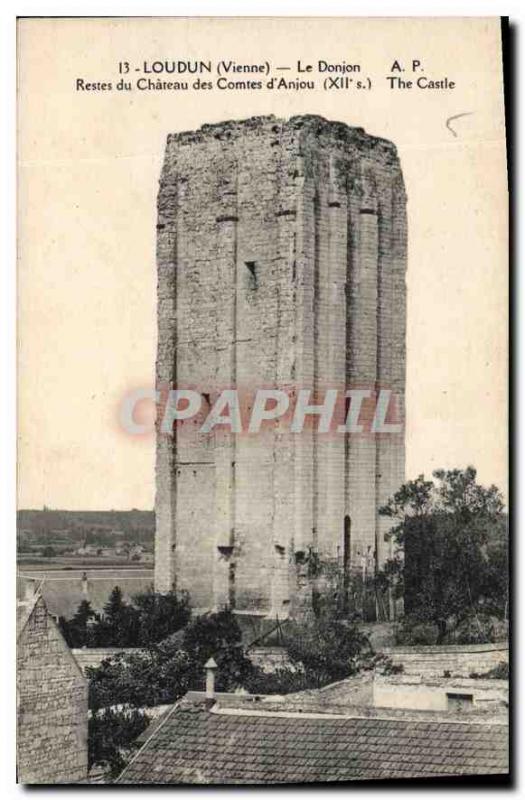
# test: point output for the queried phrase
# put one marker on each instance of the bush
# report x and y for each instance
(288, 679)
(472, 629)
(478, 629)
(326, 649)
(499, 672)
(384, 665)
(499, 630)
(284, 680)
(413, 632)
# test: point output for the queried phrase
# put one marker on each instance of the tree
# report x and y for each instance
(120, 623)
(217, 635)
(149, 618)
(114, 605)
(163, 672)
(78, 631)
(157, 676)
(112, 735)
(327, 649)
(453, 534)
(48, 551)
(161, 614)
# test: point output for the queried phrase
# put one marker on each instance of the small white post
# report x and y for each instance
(210, 667)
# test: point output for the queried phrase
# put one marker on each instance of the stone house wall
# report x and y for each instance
(435, 660)
(52, 707)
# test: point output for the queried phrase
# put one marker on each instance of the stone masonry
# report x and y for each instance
(281, 258)
(52, 704)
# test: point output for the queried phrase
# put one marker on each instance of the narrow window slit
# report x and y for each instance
(253, 274)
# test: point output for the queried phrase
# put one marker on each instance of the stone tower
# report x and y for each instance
(281, 262)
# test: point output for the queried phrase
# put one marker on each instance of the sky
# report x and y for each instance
(89, 164)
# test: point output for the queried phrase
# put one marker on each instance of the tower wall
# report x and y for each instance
(281, 263)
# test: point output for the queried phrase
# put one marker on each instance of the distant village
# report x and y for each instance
(79, 537)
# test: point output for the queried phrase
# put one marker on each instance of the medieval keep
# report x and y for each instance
(281, 252)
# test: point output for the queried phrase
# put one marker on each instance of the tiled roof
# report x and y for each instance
(195, 744)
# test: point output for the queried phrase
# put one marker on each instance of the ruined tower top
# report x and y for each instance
(306, 127)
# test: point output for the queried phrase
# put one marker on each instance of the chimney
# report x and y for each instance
(210, 667)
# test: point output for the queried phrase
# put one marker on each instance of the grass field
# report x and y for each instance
(72, 563)
(64, 587)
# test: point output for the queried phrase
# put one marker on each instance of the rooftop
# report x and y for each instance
(238, 740)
